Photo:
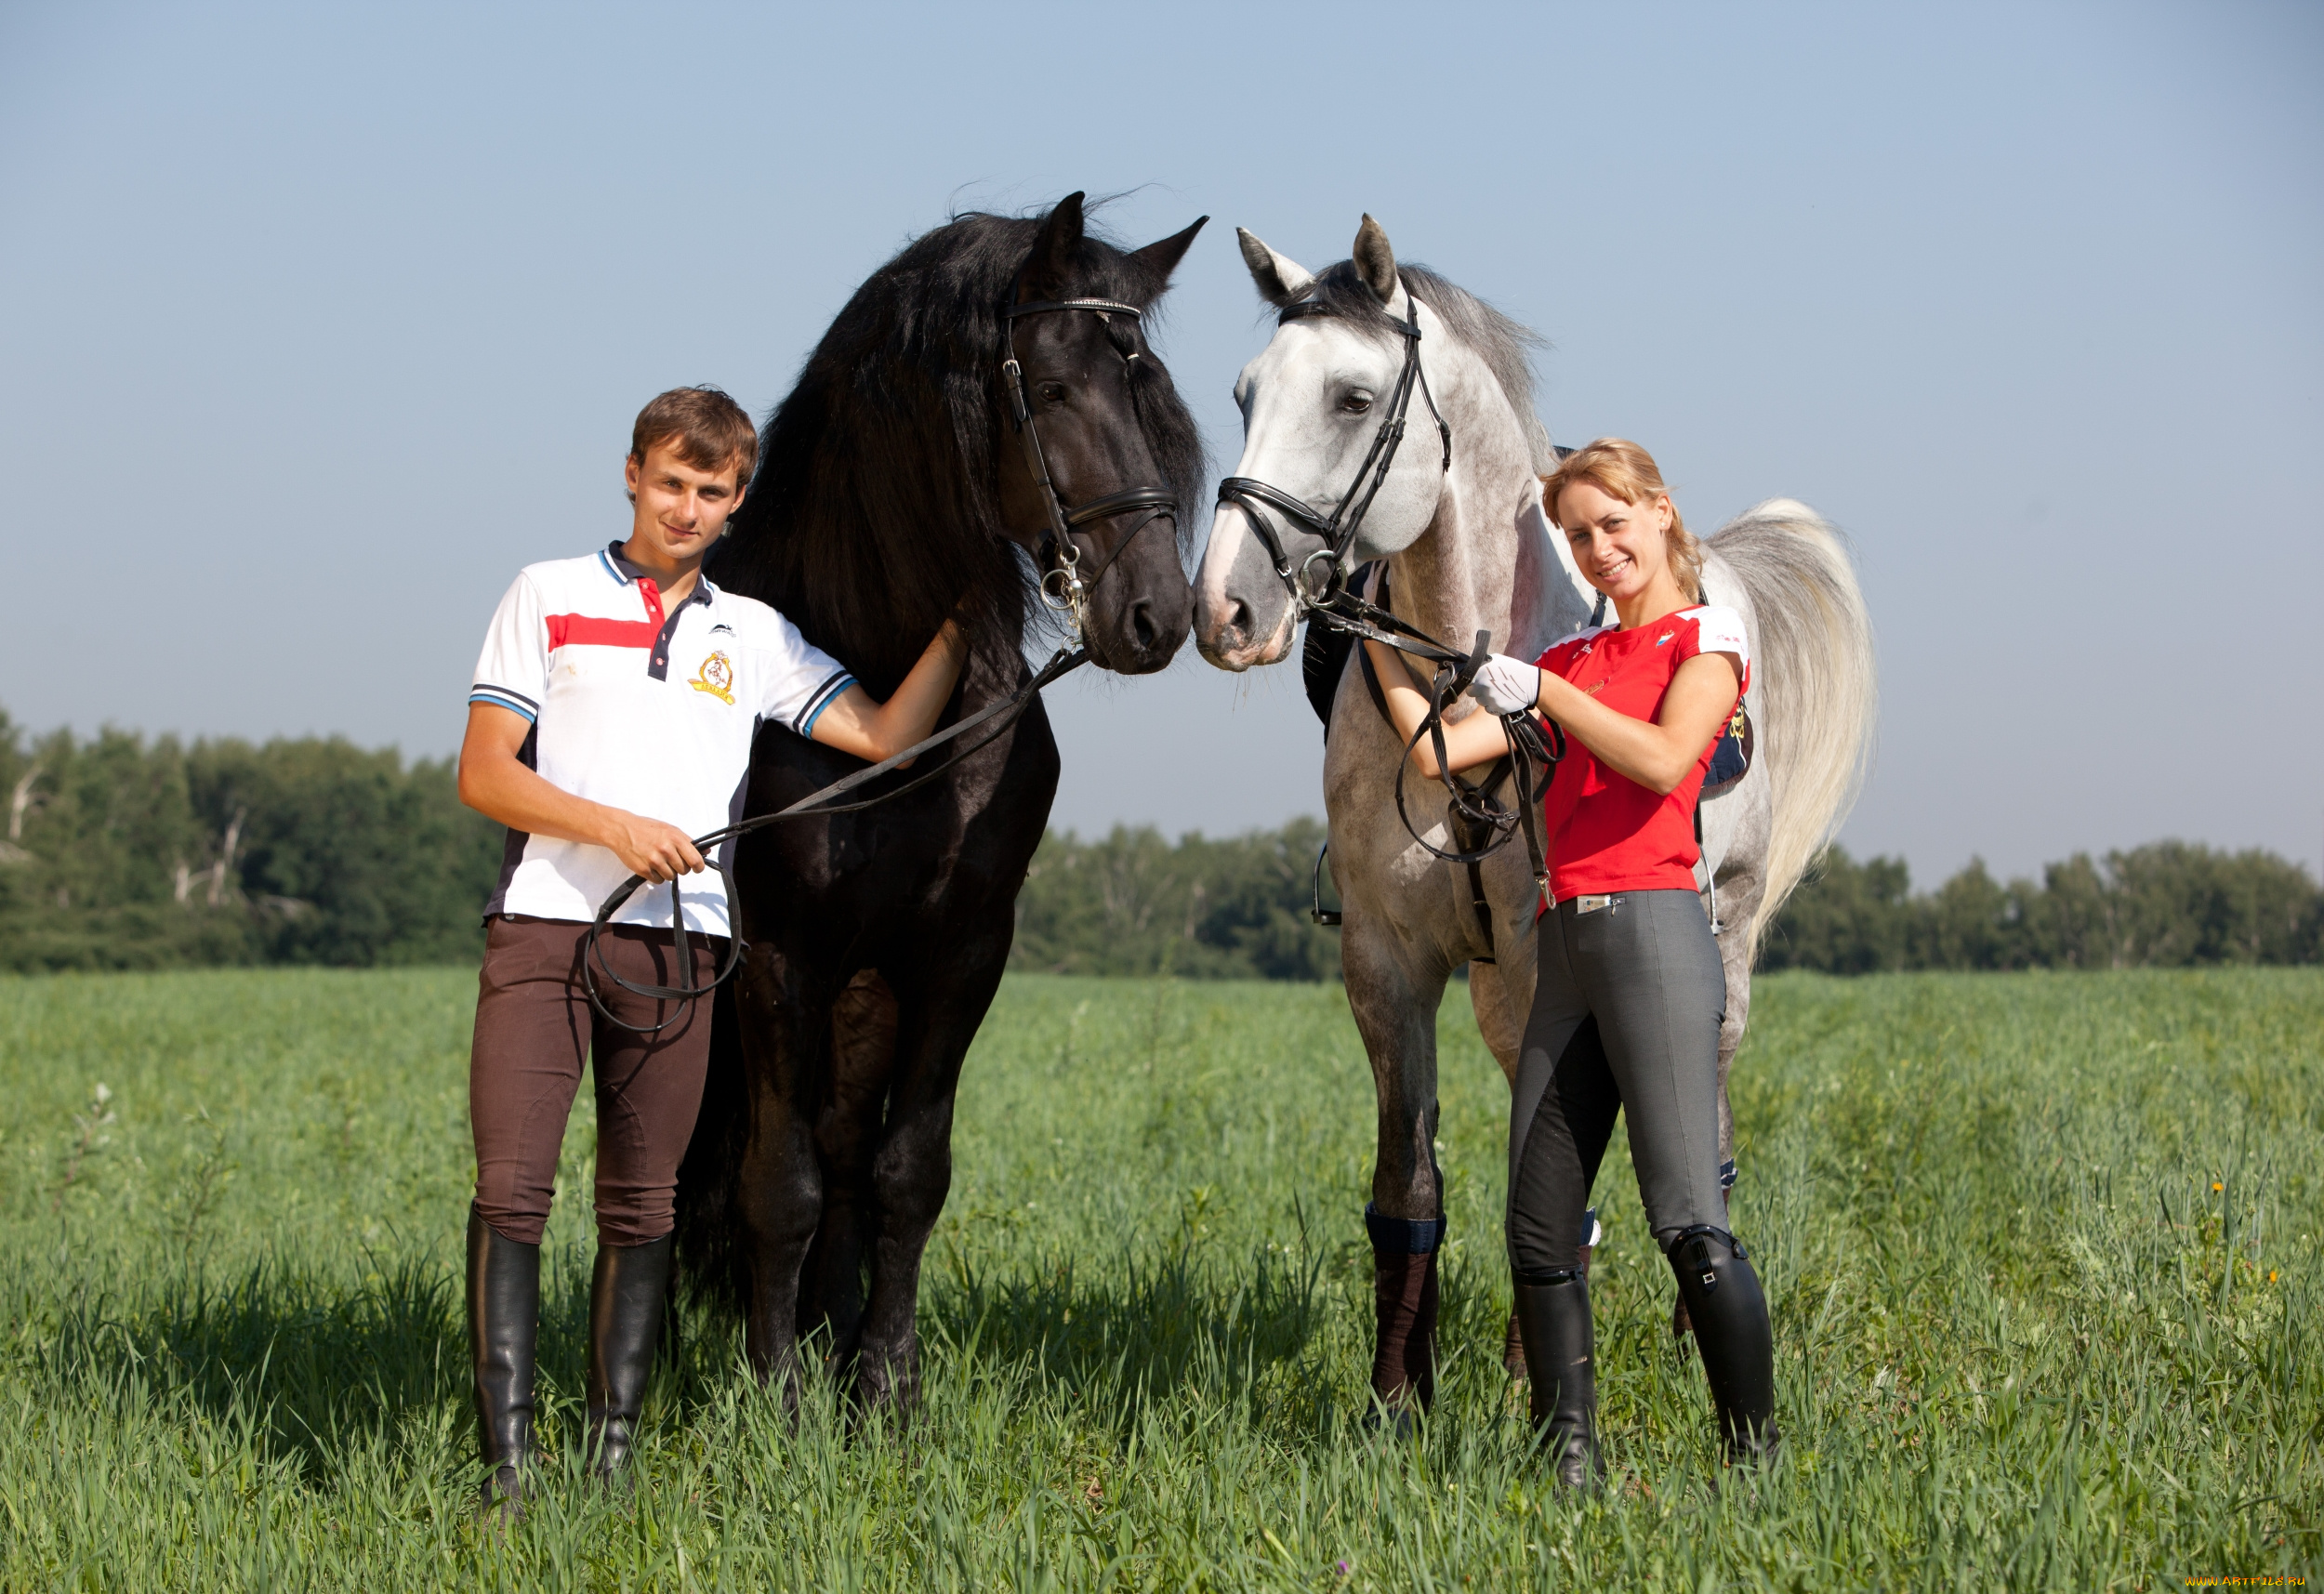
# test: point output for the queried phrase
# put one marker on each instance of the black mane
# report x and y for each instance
(875, 511)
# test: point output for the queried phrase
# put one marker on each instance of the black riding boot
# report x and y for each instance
(504, 1319)
(1553, 1318)
(1729, 1312)
(625, 1302)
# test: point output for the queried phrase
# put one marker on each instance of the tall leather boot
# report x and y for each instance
(1553, 1318)
(1404, 1302)
(626, 1299)
(504, 1320)
(1729, 1312)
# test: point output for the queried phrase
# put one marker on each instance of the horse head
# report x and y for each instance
(1104, 423)
(1314, 402)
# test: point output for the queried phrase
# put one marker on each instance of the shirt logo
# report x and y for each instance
(716, 629)
(717, 677)
(1664, 637)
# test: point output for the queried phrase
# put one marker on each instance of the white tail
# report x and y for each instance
(1814, 689)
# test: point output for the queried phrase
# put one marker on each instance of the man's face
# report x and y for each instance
(681, 510)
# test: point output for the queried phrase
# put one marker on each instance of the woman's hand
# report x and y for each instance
(1506, 685)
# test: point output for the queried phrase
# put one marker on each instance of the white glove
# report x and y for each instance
(1506, 686)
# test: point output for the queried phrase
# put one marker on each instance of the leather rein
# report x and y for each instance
(1066, 586)
(1324, 597)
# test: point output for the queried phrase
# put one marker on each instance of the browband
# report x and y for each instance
(1042, 307)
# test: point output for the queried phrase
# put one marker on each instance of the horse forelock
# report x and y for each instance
(874, 513)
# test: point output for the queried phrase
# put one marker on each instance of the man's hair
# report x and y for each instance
(710, 430)
(1619, 468)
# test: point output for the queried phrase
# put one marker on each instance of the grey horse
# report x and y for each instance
(1467, 548)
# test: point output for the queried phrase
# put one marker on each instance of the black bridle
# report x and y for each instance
(1474, 808)
(1064, 586)
(1338, 529)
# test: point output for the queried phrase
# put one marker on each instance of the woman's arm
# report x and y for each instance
(875, 731)
(1479, 739)
(1658, 754)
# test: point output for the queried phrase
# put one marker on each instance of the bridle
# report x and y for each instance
(1064, 586)
(1338, 529)
(1474, 808)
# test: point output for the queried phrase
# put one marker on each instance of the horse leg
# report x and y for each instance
(939, 1005)
(778, 1184)
(847, 1128)
(1395, 1012)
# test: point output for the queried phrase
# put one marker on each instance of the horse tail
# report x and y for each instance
(1815, 682)
(716, 1269)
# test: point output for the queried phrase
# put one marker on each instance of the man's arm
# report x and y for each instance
(496, 784)
(857, 724)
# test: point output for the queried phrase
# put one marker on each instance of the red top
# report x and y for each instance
(1607, 832)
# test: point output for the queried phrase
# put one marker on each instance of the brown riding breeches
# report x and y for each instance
(535, 1026)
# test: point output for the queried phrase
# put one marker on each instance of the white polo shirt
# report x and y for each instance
(642, 710)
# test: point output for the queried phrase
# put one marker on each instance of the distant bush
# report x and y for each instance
(2170, 905)
(122, 853)
(1133, 903)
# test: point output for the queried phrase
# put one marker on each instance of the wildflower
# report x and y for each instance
(2217, 1185)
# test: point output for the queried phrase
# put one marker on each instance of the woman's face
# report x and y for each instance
(1618, 547)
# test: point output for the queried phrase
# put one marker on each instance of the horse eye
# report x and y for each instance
(1354, 405)
(1052, 392)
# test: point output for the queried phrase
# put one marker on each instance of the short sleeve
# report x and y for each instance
(513, 671)
(798, 681)
(1718, 630)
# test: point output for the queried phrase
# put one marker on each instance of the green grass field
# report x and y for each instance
(2041, 1249)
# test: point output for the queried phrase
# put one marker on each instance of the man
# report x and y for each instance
(611, 721)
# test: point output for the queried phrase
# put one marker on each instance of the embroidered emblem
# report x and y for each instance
(717, 677)
(1664, 637)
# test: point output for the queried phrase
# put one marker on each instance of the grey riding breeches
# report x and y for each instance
(1627, 1007)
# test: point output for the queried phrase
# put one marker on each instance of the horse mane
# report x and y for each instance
(1506, 346)
(875, 512)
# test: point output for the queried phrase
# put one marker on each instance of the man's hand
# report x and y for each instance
(1506, 686)
(649, 847)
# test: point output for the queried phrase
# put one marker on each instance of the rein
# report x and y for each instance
(815, 804)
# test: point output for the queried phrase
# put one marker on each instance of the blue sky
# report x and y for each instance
(316, 323)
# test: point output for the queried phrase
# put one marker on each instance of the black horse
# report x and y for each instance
(893, 491)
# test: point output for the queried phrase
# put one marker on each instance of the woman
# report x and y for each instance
(1630, 994)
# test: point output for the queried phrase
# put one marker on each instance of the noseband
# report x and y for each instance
(1064, 586)
(1338, 529)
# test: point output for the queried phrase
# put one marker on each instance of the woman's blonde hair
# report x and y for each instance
(1619, 468)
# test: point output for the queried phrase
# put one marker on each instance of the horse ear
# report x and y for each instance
(1375, 262)
(1159, 259)
(1279, 278)
(1049, 269)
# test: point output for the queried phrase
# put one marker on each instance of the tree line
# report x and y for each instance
(128, 853)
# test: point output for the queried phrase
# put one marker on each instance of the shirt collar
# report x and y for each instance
(622, 572)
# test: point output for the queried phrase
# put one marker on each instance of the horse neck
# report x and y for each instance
(1469, 571)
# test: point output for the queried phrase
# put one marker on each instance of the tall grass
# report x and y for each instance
(2041, 1248)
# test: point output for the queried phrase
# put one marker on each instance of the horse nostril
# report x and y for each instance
(1142, 627)
(1238, 620)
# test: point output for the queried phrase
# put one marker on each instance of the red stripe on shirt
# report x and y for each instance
(590, 631)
